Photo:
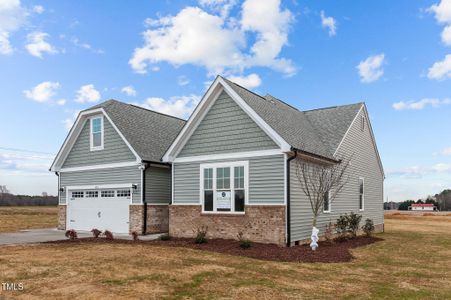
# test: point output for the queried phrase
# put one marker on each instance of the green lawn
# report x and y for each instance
(413, 262)
(14, 218)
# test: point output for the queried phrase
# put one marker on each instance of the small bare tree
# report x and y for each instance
(318, 180)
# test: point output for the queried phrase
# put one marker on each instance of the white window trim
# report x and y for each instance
(330, 205)
(232, 166)
(91, 139)
(363, 194)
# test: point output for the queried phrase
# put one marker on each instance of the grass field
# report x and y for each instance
(17, 217)
(413, 262)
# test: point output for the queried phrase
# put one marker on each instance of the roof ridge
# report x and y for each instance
(262, 97)
(153, 111)
(331, 107)
(287, 104)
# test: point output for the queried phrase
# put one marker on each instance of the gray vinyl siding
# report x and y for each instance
(114, 149)
(226, 128)
(102, 176)
(266, 180)
(158, 185)
(364, 164)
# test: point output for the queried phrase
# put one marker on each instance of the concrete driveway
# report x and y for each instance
(52, 234)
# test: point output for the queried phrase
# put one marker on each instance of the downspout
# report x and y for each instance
(143, 186)
(59, 186)
(288, 199)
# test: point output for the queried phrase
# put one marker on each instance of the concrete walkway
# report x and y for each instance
(52, 234)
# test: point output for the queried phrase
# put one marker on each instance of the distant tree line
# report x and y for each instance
(444, 200)
(8, 199)
(429, 200)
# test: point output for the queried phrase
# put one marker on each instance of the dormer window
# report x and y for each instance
(96, 133)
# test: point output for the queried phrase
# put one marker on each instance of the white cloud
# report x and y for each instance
(446, 35)
(419, 172)
(39, 9)
(182, 80)
(441, 69)
(329, 23)
(180, 107)
(24, 160)
(371, 68)
(221, 6)
(87, 93)
(217, 42)
(69, 122)
(251, 81)
(5, 45)
(129, 90)
(43, 92)
(417, 105)
(37, 44)
(441, 167)
(76, 42)
(12, 17)
(61, 101)
(271, 24)
(446, 151)
(442, 13)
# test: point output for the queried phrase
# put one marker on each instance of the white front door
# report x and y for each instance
(100, 209)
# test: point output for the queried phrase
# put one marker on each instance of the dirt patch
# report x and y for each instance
(326, 253)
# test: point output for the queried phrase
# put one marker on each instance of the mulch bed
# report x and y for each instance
(326, 253)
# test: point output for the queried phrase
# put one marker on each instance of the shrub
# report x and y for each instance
(165, 237)
(329, 232)
(244, 243)
(135, 236)
(96, 232)
(201, 235)
(342, 226)
(368, 228)
(109, 235)
(354, 223)
(71, 234)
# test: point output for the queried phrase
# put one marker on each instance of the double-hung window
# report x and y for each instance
(326, 202)
(224, 187)
(96, 133)
(361, 193)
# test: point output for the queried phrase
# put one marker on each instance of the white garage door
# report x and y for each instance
(102, 209)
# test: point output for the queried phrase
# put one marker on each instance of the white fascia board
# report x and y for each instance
(224, 156)
(204, 106)
(75, 132)
(97, 167)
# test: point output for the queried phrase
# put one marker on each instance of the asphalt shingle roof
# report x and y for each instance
(149, 133)
(316, 131)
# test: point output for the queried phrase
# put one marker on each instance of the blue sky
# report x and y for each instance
(58, 57)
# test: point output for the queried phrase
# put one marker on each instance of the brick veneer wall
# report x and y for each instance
(157, 218)
(61, 217)
(136, 218)
(264, 224)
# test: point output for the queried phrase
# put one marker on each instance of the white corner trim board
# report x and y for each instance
(207, 101)
(236, 155)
